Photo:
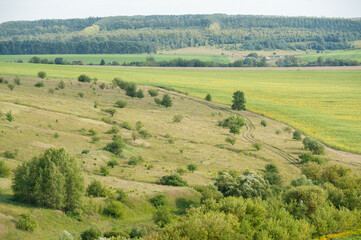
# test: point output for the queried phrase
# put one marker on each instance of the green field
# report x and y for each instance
(322, 104)
(346, 54)
(120, 58)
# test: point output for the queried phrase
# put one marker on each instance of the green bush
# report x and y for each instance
(114, 209)
(27, 222)
(162, 217)
(110, 111)
(234, 129)
(11, 86)
(192, 167)
(116, 234)
(159, 200)
(96, 189)
(297, 135)
(144, 134)
(138, 125)
(135, 160)
(84, 78)
(9, 116)
(42, 74)
(234, 120)
(61, 84)
(173, 180)
(126, 125)
(314, 146)
(153, 92)
(10, 155)
(120, 104)
(307, 157)
(112, 163)
(17, 80)
(113, 130)
(209, 192)
(122, 196)
(116, 147)
(104, 171)
(1, 80)
(131, 90)
(264, 123)
(138, 232)
(166, 101)
(80, 94)
(208, 97)
(65, 235)
(139, 93)
(257, 146)
(4, 169)
(92, 233)
(231, 140)
(39, 84)
(158, 101)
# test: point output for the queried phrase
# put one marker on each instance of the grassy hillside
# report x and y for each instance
(315, 102)
(346, 54)
(120, 58)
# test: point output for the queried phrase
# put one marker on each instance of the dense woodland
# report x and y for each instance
(147, 34)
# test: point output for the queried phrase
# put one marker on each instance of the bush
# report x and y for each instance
(162, 217)
(11, 86)
(61, 84)
(139, 93)
(92, 233)
(111, 111)
(115, 147)
(27, 222)
(120, 104)
(52, 180)
(4, 169)
(234, 129)
(159, 200)
(297, 135)
(127, 125)
(51, 91)
(116, 234)
(96, 189)
(192, 167)
(17, 80)
(10, 155)
(307, 157)
(1, 80)
(173, 180)
(177, 118)
(104, 171)
(114, 209)
(271, 168)
(112, 163)
(153, 92)
(138, 232)
(131, 90)
(257, 146)
(314, 146)
(144, 134)
(208, 97)
(209, 192)
(234, 120)
(92, 132)
(65, 235)
(138, 125)
(122, 196)
(42, 74)
(273, 178)
(158, 101)
(39, 84)
(166, 101)
(84, 78)
(113, 130)
(9, 116)
(135, 160)
(264, 123)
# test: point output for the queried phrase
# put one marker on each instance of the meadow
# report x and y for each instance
(120, 58)
(344, 54)
(322, 104)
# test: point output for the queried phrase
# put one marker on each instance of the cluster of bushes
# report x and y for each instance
(166, 101)
(129, 88)
(313, 145)
(234, 123)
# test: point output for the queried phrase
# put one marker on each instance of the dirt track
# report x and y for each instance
(249, 68)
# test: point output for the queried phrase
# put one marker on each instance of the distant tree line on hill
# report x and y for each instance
(142, 34)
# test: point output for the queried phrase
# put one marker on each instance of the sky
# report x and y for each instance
(13, 10)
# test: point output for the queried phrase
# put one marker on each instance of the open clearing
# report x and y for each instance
(323, 104)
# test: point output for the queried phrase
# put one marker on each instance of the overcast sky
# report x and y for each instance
(11, 10)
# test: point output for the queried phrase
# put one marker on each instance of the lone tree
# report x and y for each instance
(167, 101)
(239, 102)
(52, 180)
(42, 74)
(209, 97)
(102, 62)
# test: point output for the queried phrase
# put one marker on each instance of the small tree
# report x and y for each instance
(11, 86)
(297, 135)
(173, 180)
(84, 78)
(139, 94)
(234, 129)
(112, 163)
(9, 116)
(257, 146)
(104, 171)
(42, 74)
(159, 200)
(208, 97)
(131, 90)
(167, 101)
(4, 169)
(27, 222)
(314, 146)
(239, 102)
(115, 147)
(115, 209)
(102, 62)
(61, 84)
(264, 123)
(120, 104)
(192, 167)
(96, 189)
(39, 84)
(230, 140)
(162, 217)
(153, 92)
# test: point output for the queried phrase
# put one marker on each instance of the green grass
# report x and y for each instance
(345, 54)
(323, 104)
(120, 58)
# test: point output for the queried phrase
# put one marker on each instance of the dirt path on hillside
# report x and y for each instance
(337, 68)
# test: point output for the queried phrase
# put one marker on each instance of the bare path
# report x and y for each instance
(328, 68)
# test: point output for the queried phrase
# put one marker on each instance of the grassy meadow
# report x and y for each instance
(344, 54)
(120, 58)
(322, 104)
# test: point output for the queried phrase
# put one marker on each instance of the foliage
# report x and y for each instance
(115, 209)
(5, 171)
(231, 140)
(39, 84)
(144, 134)
(122, 196)
(92, 233)
(42, 74)
(112, 163)
(192, 167)
(84, 78)
(264, 123)
(234, 129)
(166, 101)
(162, 217)
(208, 97)
(314, 146)
(234, 120)
(135, 160)
(153, 92)
(238, 102)
(61, 84)
(96, 189)
(52, 180)
(11, 86)
(126, 125)
(138, 125)
(104, 171)
(160, 200)
(116, 147)
(209, 192)
(257, 146)
(120, 104)
(27, 222)
(10, 155)
(17, 80)
(113, 130)
(138, 232)
(173, 180)
(9, 116)
(117, 234)
(65, 235)
(110, 111)
(307, 157)
(297, 135)
(131, 90)
(139, 94)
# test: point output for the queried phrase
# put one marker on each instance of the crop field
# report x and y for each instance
(120, 58)
(323, 104)
(346, 54)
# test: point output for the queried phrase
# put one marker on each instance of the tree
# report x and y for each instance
(116, 146)
(234, 129)
(238, 101)
(52, 180)
(131, 90)
(172, 180)
(192, 167)
(167, 101)
(42, 74)
(102, 62)
(314, 146)
(58, 61)
(4, 169)
(162, 217)
(208, 97)
(139, 94)
(84, 78)
(297, 135)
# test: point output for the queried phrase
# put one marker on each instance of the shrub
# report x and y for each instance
(234, 120)
(92, 132)
(95, 139)
(234, 129)
(17, 80)
(112, 163)
(192, 167)
(56, 135)
(9, 116)
(257, 146)
(104, 171)
(144, 134)
(209, 192)
(138, 232)
(264, 123)
(84, 78)
(92, 233)
(230, 140)
(127, 125)
(159, 200)
(162, 217)
(153, 92)
(138, 125)
(301, 181)
(307, 157)
(1, 80)
(51, 91)
(61, 84)
(273, 178)
(11, 86)
(113, 130)
(287, 129)
(173, 180)
(135, 160)
(157, 101)
(39, 84)
(114, 209)
(85, 151)
(52, 180)
(278, 132)
(139, 93)
(116, 234)
(181, 171)
(10, 155)
(271, 168)
(96, 189)
(4, 169)
(297, 135)
(111, 111)
(120, 104)
(177, 118)
(208, 97)
(314, 146)
(80, 94)
(27, 222)
(42, 74)
(115, 147)
(122, 196)
(131, 90)
(166, 101)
